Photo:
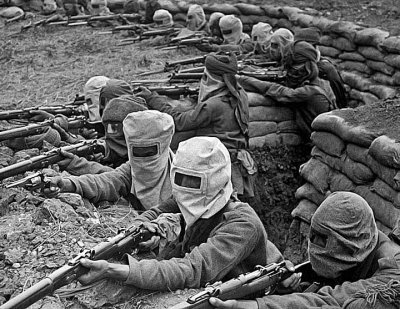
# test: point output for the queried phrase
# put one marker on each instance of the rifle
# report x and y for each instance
(193, 42)
(264, 277)
(88, 149)
(76, 108)
(135, 28)
(148, 34)
(123, 242)
(37, 128)
(31, 182)
(173, 78)
(173, 90)
(175, 65)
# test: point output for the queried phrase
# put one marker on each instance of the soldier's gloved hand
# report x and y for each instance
(292, 283)
(97, 271)
(68, 157)
(39, 115)
(88, 133)
(144, 93)
(58, 184)
(207, 47)
(154, 241)
(233, 304)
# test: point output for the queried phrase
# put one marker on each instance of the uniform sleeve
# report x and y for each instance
(288, 95)
(201, 116)
(108, 186)
(209, 262)
(168, 206)
(81, 166)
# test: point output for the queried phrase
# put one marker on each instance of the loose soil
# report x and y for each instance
(50, 65)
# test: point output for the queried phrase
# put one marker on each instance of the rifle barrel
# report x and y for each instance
(32, 129)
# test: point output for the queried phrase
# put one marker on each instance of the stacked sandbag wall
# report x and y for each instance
(368, 58)
(347, 157)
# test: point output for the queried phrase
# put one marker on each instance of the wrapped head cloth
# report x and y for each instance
(231, 28)
(201, 178)
(222, 69)
(214, 24)
(261, 33)
(148, 135)
(343, 233)
(91, 91)
(113, 89)
(196, 19)
(163, 18)
(279, 43)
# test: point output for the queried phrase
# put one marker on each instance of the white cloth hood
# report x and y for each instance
(91, 91)
(148, 135)
(204, 158)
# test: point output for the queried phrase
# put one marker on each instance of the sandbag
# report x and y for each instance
(383, 210)
(386, 151)
(382, 92)
(261, 128)
(253, 19)
(396, 78)
(383, 228)
(304, 210)
(385, 191)
(335, 124)
(169, 6)
(370, 52)
(352, 56)
(308, 191)
(357, 172)
(221, 7)
(393, 60)
(328, 142)
(272, 11)
(391, 44)
(183, 6)
(380, 66)
(289, 126)
(180, 17)
(357, 153)
(291, 12)
(370, 36)
(389, 175)
(383, 79)
(316, 173)
(344, 28)
(343, 44)
(257, 99)
(10, 12)
(354, 66)
(326, 40)
(366, 97)
(269, 113)
(304, 20)
(290, 139)
(340, 182)
(284, 23)
(355, 80)
(249, 9)
(271, 140)
(322, 22)
(329, 51)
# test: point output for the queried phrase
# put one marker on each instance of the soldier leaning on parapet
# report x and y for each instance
(222, 111)
(304, 90)
(221, 237)
(359, 266)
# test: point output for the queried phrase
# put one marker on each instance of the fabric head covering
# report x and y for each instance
(113, 89)
(49, 7)
(148, 135)
(99, 7)
(231, 28)
(196, 19)
(280, 42)
(201, 178)
(301, 63)
(261, 33)
(214, 24)
(114, 113)
(91, 91)
(343, 233)
(131, 6)
(310, 35)
(163, 18)
(226, 67)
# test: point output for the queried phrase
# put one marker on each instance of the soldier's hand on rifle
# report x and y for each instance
(102, 269)
(68, 157)
(39, 115)
(253, 84)
(292, 283)
(144, 93)
(154, 241)
(57, 185)
(233, 304)
(207, 47)
(88, 133)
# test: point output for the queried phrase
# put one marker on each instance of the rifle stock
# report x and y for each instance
(85, 148)
(244, 285)
(126, 240)
(174, 78)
